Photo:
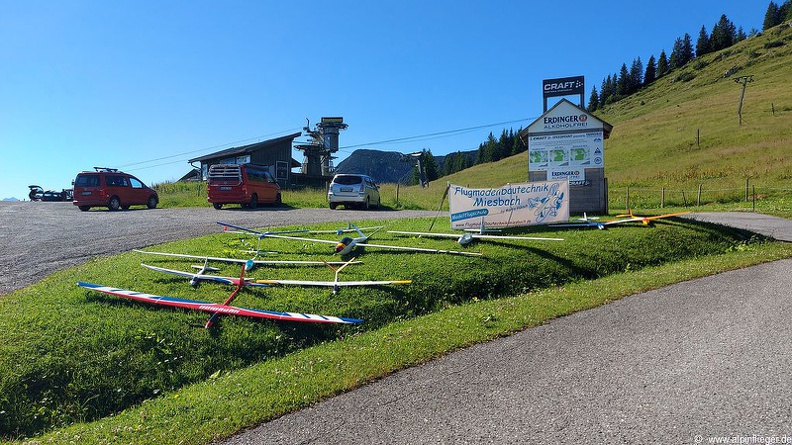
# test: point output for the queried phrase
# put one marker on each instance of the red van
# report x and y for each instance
(246, 184)
(111, 188)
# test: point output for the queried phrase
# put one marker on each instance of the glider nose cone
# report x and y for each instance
(465, 239)
(342, 245)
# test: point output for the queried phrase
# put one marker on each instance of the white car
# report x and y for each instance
(353, 191)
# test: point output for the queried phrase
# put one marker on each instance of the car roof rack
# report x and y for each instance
(106, 169)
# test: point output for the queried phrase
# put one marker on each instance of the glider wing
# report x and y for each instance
(215, 308)
(202, 277)
(241, 261)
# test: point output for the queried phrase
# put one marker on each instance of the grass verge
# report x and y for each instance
(71, 356)
(224, 404)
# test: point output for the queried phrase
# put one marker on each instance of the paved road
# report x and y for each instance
(772, 226)
(683, 364)
(39, 238)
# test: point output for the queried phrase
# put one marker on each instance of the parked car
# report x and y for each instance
(111, 188)
(353, 191)
(246, 184)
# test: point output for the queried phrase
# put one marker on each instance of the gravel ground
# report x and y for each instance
(39, 238)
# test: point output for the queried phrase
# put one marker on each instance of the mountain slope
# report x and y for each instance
(654, 139)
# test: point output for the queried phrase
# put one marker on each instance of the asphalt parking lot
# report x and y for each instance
(39, 238)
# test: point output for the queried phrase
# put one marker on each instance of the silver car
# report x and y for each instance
(353, 191)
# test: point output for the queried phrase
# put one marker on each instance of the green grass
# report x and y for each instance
(68, 354)
(283, 368)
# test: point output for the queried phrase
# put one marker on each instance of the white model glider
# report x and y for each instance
(467, 238)
(201, 276)
(248, 263)
(624, 219)
(348, 244)
(335, 284)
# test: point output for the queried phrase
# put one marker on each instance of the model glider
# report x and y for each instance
(470, 235)
(335, 284)
(348, 244)
(201, 276)
(467, 237)
(216, 309)
(624, 219)
(248, 263)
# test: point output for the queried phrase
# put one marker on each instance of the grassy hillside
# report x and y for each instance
(654, 141)
(682, 132)
(675, 136)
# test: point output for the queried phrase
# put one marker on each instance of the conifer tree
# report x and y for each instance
(687, 50)
(673, 60)
(772, 16)
(430, 165)
(703, 43)
(623, 84)
(651, 71)
(636, 75)
(593, 102)
(486, 151)
(723, 34)
(606, 91)
(662, 65)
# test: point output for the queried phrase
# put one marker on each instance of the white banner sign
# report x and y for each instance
(513, 205)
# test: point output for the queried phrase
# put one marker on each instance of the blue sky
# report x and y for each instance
(146, 85)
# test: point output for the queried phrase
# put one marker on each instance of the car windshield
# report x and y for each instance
(347, 180)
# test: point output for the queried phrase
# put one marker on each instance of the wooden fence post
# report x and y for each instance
(698, 200)
(627, 199)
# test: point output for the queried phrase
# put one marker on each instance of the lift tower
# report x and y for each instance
(324, 142)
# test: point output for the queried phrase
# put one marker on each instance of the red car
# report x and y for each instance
(246, 184)
(108, 187)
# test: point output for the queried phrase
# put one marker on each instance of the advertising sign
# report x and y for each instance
(565, 86)
(565, 151)
(513, 205)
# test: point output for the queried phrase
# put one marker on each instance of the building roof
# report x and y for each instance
(565, 107)
(246, 149)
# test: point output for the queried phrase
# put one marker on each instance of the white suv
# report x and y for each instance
(353, 190)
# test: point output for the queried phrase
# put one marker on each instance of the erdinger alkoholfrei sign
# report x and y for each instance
(566, 142)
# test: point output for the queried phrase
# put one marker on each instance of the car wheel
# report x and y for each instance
(84, 208)
(333, 206)
(253, 201)
(217, 206)
(152, 202)
(114, 204)
(367, 204)
(278, 199)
